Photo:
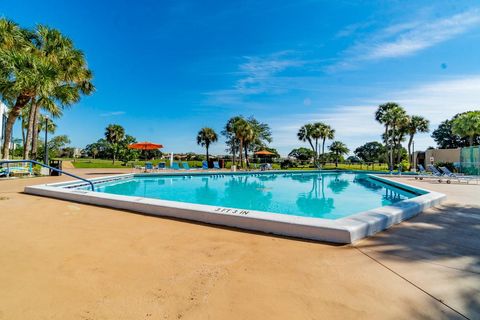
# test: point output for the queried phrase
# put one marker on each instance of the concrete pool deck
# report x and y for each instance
(63, 260)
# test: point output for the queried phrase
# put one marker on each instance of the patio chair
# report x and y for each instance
(149, 166)
(436, 174)
(216, 165)
(422, 173)
(265, 166)
(205, 165)
(186, 166)
(175, 166)
(458, 178)
(19, 170)
(161, 166)
(4, 172)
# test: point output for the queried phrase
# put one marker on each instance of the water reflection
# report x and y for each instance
(205, 194)
(254, 194)
(338, 185)
(314, 202)
(389, 196)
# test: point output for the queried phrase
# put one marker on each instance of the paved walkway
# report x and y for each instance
(62, 260)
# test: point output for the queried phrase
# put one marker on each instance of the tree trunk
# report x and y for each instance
(31, 120)
(387, 146)
(410, 156)
(23, 136)
(206, 147)
(470, 141)
(392, 145)
(399, 148)
(22, 100)
(234, 158)
(313, 149)
(36, 131)
(246, 156)
(240, 153)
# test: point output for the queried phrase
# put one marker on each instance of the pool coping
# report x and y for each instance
(343, 230)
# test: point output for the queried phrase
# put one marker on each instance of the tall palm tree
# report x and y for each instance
(415, 124)
(305, 134)
(326, 132)
(316, 134)
(205, 137)
(391, 115)
(44, 65)
(114, 133)
(338, 149)
(467, 125)
(244, 133)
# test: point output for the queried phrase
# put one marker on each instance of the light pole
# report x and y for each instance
(46, 140)
(414, 160)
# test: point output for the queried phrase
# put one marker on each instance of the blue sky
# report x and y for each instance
(164, 69)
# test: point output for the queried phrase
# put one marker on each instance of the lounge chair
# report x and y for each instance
(186, 166)
(175, 166)
(216, 165)
(436, 174)
(265, 166)
(161, 166)
(458, 178)
(4, 172)
(204, 165)
(148, 166)
(422, 173)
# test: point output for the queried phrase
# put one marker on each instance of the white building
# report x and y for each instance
(3, 121)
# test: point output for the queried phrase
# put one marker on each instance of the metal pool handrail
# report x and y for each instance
(51, 168)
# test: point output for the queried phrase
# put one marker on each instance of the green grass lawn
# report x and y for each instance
(102, 163)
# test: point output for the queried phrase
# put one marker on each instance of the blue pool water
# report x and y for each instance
(320, 195)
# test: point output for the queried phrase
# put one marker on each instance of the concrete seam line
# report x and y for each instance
(413, 284)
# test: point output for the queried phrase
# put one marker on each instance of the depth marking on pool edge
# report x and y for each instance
(232, 211)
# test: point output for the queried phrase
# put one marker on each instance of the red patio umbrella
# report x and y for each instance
(145, 146)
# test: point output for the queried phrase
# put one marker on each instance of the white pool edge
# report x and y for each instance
(343, 230)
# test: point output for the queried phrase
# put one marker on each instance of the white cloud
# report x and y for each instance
(407, 38)
(258, 74)
(355, 124)
(113, 113)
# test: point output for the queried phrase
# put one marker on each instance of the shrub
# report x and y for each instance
(287, 163)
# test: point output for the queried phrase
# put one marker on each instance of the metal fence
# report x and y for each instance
(470, 160)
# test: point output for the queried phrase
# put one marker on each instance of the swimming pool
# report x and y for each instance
(331, 206)
(317, 195)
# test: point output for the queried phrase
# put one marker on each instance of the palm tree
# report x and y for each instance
(467, 125)
(326, 132)
(305, 134)
(205, 137)
(415, 124)
(244, 133)
(338, 149)
(42, 65)
(391, 115)
(114, 133)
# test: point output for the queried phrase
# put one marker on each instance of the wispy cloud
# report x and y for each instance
(355, 124)
(257, 75)
(406, 39)
(112, 114)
